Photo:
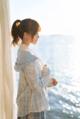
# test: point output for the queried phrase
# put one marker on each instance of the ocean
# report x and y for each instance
(57, 51)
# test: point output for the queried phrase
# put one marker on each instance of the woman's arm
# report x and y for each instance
(32, 76)
(45, 74)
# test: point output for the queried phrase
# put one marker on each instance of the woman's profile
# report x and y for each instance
(34, 77)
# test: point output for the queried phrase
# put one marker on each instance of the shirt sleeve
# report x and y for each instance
(45, 74)
(32, 75)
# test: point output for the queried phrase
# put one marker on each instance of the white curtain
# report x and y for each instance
(6, 80)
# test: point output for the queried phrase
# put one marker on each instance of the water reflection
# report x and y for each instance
(64, 99)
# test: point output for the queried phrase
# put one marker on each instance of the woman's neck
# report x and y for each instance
(25, 45)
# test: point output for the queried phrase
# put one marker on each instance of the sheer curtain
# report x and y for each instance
(6, 80)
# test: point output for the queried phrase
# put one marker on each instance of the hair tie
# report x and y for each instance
(17, 24)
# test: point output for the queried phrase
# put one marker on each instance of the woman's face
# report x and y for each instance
(35, 38)
(27, 38)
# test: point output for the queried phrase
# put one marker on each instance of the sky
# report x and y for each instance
(54, 16)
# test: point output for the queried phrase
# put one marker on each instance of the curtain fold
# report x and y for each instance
(6, 78)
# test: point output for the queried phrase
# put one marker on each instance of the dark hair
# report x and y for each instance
(19, 27)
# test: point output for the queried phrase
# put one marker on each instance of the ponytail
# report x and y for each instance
(15, 32)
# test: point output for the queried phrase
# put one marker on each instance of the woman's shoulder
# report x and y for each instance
(28, 56)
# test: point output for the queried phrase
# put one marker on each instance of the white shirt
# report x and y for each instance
(33, 79)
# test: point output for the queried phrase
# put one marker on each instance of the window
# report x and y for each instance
(61, 50)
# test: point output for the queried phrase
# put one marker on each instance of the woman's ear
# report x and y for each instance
(25, 35)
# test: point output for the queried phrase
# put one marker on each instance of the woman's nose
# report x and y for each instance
(38, 35)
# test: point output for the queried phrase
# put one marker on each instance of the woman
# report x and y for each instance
(34, 77)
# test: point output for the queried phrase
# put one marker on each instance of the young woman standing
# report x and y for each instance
(33, 77)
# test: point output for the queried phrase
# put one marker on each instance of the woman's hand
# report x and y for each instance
(50, 81)
(54, 82)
